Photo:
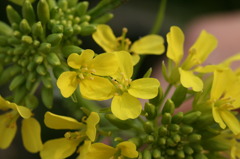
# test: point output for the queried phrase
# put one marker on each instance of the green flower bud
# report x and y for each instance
(43, 11)
(156, 154)
(68, 31)
(149, 139)
(157, 100)
(148, 127)
(176, 138)
(170, 152)
(3, 40)
(24, 27)
(57, 28)
(37, 30)
(54, 39)
(174, 127)
(210, 132)
(51, 3)
(188, 150)
(197, 147)
(87, 30)
(177, 118)
(191, 117)
(121, 124)
(81, 8)
(47, 97)
(47, 81)
(41, 70)
(31, 77)
(28, 12)
(31, 101)
(85, 18)
(103, 19)
(170, 142)
(31, 66)
(166, 118)
(150, 111)
(17, 81)
(38, 59)
(186, 129)
(67, 50)
(58, 70)
(136, 140)
(179, 95)
(13, 15)
(8, 73)
(19, 94)
(44, 47)
(76, 29)
(168, 107)
(63, 5)
(147, 154)
(13, 40)
(162, 141)
(215, 144)
(200, 156)
(180, 154)
(27, 39)
(5, 29)
(162, 131)
(205, 120)
(53, 59)
(194, 137)
(72, 3)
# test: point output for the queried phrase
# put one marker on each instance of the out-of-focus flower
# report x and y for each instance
(8, 127)
(66, 146)
(149, 44)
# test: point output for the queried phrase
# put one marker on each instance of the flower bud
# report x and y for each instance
(53, 59)
(16, 82)
(162, 141)
(103, 19)
(186, 129)
(191, 117)
(54, 39)
(37, 30)
(121, 124)
(157, 100)
(31, 101)
(180, 154)
(177, 118)
(47, 81)
(166, 118)
(47, 97)
(5, 29)
(81, 8)
(28, 12)
(162, 131)
(188, 150)
(168, 107)
(149, 139)
(156, 154)
(87, 30)
(44, 47)
(147, 154)
(194, 137)
(150, 111)
(24, 27)
(200, 156)
(67, 50)
(13, 15)
(41, 70)
(179, 95)
(43, 11)
(8, 73)
(148, 127)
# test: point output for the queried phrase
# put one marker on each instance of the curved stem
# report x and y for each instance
(160, 16)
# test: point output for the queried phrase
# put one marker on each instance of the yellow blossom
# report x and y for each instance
(103, 151)
(125, 104)
(150, 44)
(235, 148)
(88, 74)
(64, 147)
(225, 97)
(198, 53)
(30, 127)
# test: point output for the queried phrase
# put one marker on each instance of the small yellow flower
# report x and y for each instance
(88, 74)
(66, 146)
(102, 151)
(198, 53)
(235, 148)
(125, 104)
(225, 97)
(30, 127)
(150, 44)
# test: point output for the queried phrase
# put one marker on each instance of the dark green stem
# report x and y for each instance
(160, 16)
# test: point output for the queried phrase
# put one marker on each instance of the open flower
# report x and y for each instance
(150, 44)
(8, 127)
(88, 74)
(102, 151)
(198, 53)
(225, 97)
(125, 104)
(66, 146)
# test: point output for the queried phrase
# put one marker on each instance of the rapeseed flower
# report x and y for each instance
(103, 151)
(149, 44)
(66, 146)
(30, 128)
(198, 53)
(88, 73)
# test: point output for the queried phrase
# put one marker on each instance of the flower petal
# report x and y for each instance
(135, 59)
(150, 44)
(217, 118)
(67, 83)
(100, 151)
(128, 149)
(92, 121)
(8, 130)
(105, 38)
(105, 64)
(189, 80)
(231, 121)
(145, 88)
(4, 104)
(55, 121)
(31, 135)
(58, 148)
(175, 39)
(98, 88)
(84, 149)
(126, 106)
(23, 111)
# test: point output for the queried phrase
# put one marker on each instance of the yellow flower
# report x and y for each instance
(125, 104)
(225, 97)
(102, 151)
(30, 127)
(235, 148)
(88, 74)
(66, 146)
(198, 53)
(150, 44)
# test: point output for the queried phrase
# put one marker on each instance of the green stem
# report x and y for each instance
(160, 16)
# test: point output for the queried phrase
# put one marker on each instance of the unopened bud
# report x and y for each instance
(28, 12)
(43, 11)
(150, 111)
(191, 117)
(166, 118)
(47, 97)
(156, 154)
(24, 27)
(186, 129)
(53, 59)
(194, 137)
(13, 15)
(54, 39)
(177, 118)
(17, 81)
(82, 8)
(168, 107)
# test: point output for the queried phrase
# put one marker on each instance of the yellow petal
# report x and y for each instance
(126, 106)
(8, 130)
(67, 83)
(92, 121)
(128, 149)
(31, 135)
(189, 80)
(150, 44)
(125, 63)
(231, 121)
(217, 118)
(4, 104)
(175, 40)
(23, 111)
(135, 58)
(231, 59)
(145, 88)
(54, 121)
(105, 64)
(58, 148)
(84, 149)
(200, 50)
(98, 88)
(100, 151)
(105, 38)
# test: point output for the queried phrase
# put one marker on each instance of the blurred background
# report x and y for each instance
(219, 17)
